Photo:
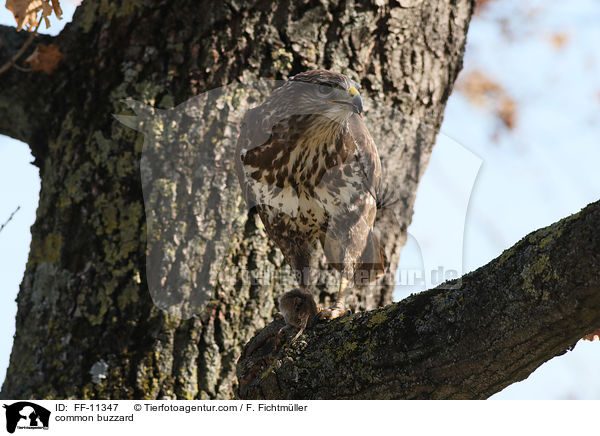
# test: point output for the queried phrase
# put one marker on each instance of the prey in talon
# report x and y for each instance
(298, 309)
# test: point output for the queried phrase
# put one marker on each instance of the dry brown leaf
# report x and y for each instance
(45, 58)
(478, 87)
(26, 12)
(46, 12)
(507, 111)
(483, 91)
(480, 5)
(56, 8)
(592, 336)
(558, 40)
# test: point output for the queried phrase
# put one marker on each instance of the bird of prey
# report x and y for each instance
(307, 162)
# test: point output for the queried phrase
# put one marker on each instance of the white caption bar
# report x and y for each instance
(289, 418)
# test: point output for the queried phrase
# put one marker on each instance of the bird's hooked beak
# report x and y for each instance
(354, 102)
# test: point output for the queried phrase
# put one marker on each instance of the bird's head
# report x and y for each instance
(321, 92)
(326, 92)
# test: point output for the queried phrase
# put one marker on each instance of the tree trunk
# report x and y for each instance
(90, 320)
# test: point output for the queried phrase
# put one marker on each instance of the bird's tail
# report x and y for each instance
(373, 261)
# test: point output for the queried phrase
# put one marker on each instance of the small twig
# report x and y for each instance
(10, 218)
(21, 51)
(25, 70)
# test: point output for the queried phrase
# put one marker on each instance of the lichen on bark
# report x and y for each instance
(84, 298)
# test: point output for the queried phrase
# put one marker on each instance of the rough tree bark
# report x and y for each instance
(86, 324)
(499, 324)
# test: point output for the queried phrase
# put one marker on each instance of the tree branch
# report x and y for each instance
(502, 321)
(9, 218)
(19, 91)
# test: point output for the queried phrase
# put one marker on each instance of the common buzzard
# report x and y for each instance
(307, 162)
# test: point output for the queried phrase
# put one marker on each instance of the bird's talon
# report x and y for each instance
(335, 312)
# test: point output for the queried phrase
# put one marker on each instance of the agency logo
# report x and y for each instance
(26, 415)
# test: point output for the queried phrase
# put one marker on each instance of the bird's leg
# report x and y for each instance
(337, 309)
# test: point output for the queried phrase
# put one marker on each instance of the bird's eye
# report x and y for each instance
(325, 89)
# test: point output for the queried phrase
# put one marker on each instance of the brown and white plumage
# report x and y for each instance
(306, 160)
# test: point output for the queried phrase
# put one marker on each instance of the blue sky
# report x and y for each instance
(494, 184)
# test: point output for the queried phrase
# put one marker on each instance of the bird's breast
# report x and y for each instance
(309, 178)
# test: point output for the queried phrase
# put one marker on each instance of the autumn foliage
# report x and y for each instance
(28, 15)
